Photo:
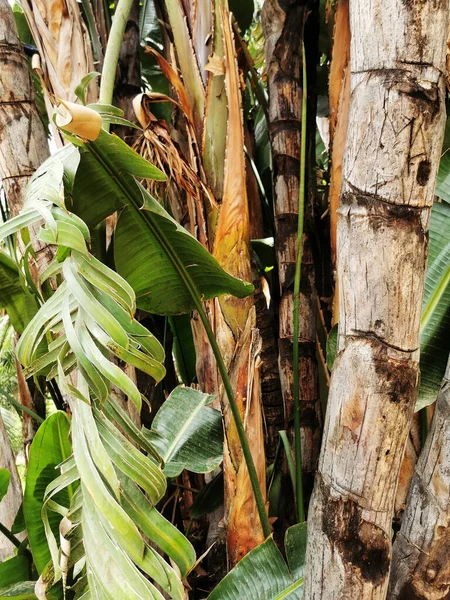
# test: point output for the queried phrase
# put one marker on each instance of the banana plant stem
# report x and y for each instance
(119, 23)
(298, 266)
(260, 504)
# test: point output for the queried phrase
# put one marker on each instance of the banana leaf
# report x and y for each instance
(435, 338)
(50, 447)
(196, 443)
(261, 575)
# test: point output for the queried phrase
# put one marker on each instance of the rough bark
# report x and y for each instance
(283, 29)
(396, 124)
(420, 556)
(23, 147)
(23, 143)
(13, 499)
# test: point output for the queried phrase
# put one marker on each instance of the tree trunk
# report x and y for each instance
(23, 147)
(13, 499)
(420, 557)
(394, 138)
(283, 30)
(63, 43)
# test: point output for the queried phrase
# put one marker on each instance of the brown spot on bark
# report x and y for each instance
(362, 544)
(423, 172)
(399, 379)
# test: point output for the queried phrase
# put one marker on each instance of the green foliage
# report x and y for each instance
(23, 590)
(50, 447)
(100, 490)
(196, 442)
(18, 302)
(183, 348)
(332, 340)
(434, 338)
(264, 575)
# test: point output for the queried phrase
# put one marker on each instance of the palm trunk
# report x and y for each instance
(394, 139)
(283, 30)
(13, 499)
(23, 147)
(420, 556)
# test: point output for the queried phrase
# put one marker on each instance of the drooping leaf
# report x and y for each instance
(196, 443)
(179, 263)
(435, 338)
(80, 90)
(158, 529)
(261, 575)
(50, 447)
(4, 482)
(182, 270)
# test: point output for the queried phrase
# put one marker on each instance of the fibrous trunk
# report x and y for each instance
(420, 557)
(283, 30)
(394, 138)
(13, 499)
(23, 147)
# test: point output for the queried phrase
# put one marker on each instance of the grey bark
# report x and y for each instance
(420, 561)
(396, 125)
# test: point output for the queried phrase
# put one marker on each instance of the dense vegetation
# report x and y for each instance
(239, 203)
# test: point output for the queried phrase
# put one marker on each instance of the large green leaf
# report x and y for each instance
(19, 303)
(180, 267)
(435, 337)
(182, 271)
(261, 575)
(196, 442)
(50, 447)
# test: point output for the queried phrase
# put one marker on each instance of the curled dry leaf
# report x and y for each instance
(79, 120)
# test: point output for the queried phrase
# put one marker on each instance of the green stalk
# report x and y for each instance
(290, 462)
(260, 504)
(11, 537)
(136, 202)
(119, 23)
(298, 266)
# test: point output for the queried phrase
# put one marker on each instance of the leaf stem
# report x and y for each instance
(298, 266)
(260, 504)
(119, 23)
(11, 537)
